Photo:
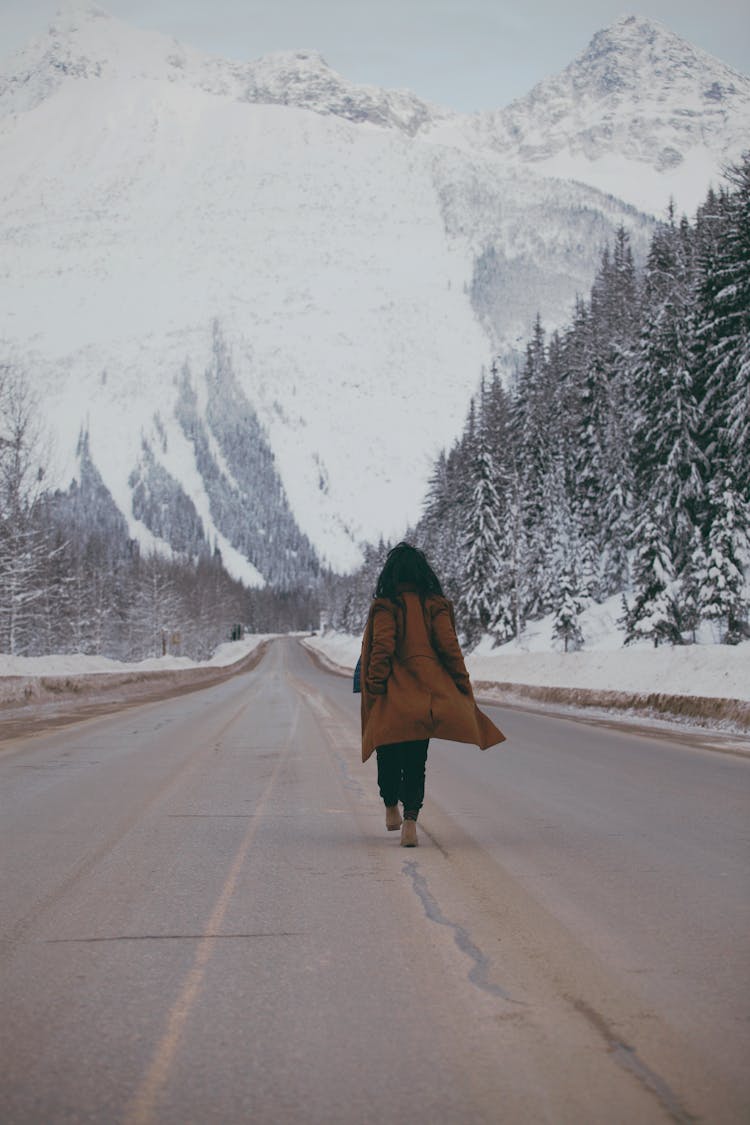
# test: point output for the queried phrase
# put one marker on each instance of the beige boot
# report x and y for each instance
(392, 818)
(409, 834)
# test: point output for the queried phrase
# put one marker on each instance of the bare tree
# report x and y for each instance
(155, 609)
(24, 547)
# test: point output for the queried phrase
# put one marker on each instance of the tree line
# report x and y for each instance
(73, 580)
(617, 460)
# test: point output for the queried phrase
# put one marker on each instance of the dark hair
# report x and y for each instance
(408, 565)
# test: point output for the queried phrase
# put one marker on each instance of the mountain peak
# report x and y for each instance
(85, 42)
(638, 61)
(632, 48)
(630, 25)
(303, 78)
(637, 93)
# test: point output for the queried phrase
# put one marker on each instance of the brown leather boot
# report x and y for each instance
(409, 834)
(392, 818)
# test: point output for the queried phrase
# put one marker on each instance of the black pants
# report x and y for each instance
(401, 767)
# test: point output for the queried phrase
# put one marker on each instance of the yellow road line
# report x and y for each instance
(140, 1110)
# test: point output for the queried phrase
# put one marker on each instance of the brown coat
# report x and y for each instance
(414, 680)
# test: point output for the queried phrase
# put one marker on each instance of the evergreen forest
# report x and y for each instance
(616, 461)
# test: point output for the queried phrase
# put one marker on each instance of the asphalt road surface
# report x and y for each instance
(203, 919)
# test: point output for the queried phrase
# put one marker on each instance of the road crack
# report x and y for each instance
(479, 973)
(627, 1057)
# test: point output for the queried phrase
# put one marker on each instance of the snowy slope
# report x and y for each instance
(363, 252)
(325, 260)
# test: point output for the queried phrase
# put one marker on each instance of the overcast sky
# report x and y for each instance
(465, 54)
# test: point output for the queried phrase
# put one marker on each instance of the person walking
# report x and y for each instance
(414, 684)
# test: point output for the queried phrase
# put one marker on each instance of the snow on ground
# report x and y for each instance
(78, 664)
(340, 648)
(719, 671)
(705, 669)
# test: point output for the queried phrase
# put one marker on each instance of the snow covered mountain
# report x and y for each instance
(337, 262)
(641, 114)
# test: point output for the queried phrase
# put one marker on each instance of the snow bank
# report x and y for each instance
(80, 665)
(701, 670)
(719, 671)
(338, 649)
(706, 669)
(37, 690)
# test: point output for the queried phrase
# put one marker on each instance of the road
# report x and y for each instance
(203, 920)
